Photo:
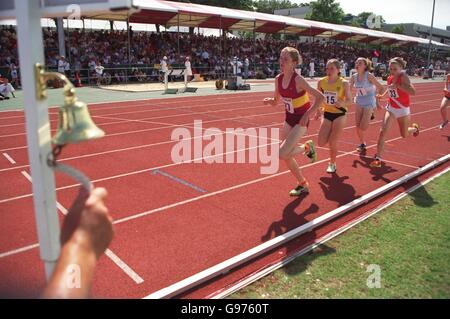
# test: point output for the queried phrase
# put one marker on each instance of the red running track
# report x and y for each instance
(167, 230)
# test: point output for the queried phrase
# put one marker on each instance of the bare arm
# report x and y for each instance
(276, 97)
(445, 85)
(301, 84)
(374, 81)
(348, 96)
(406, 85)
(85, 235)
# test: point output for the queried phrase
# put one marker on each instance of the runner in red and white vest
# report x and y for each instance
(445, 102)
(293, 90)
(399, 90)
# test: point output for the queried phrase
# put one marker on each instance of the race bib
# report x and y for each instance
(331, 97)
(361, 92)
(392, 92)
(288, 105)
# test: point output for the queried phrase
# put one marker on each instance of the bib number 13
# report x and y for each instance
(393, 93)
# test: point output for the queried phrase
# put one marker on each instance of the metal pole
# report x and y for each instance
(60, 30)
(129, 41)
(254, 46)
(178, 34)
(431, 35)
(31, 51)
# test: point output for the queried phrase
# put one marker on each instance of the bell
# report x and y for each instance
(75, 124)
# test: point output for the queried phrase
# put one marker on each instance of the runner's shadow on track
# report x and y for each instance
(336, 190)
(421, 197)
(377, 172)
(290, 219)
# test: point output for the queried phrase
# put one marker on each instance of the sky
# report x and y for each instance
(401, 11)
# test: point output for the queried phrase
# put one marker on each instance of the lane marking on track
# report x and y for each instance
(388, 161)
(178, 180)
(119, 262)
(22, 249)
(175, 164)
(27, 176)
(18, 250)
(159, 209)
(266, 271)
(9, 158)
(430, 87)
(169, 125)
(165, 109)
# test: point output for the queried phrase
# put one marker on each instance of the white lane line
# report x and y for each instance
(18, 250)
(178, 100)
(200, 197)
(122, 265)
(9, 158)
(168, 125)
(27, 176)
(174, 164)
(119, 262)
(388, 161)
(162, 109)
(224, 190)
(264, 272)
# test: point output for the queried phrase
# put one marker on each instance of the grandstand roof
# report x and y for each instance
(170, 13)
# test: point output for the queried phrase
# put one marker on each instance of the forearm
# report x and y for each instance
(74, 271)
(408, 88)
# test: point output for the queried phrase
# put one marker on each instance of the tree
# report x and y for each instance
(269, 6)
(326, 11)
(399, 29)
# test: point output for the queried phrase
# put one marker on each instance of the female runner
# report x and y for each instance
(338, 98)
(292, 89)
(445, 102)
(399, 90)
(365, 84)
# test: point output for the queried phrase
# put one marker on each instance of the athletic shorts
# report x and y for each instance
(367, 106)
(404, 111)
(294, 119)
(332, 116)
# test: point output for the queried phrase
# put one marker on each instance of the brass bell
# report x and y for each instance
(75, 124)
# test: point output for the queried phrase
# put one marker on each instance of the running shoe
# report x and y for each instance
(331, 168)
(300, 189)
(416, 126)
(444, 124)
(310, 151)
(361, 148)
(376, 163)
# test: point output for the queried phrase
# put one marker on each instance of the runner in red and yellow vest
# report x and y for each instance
(445, 102)
(292, 89)
(399, 90)
(338, 98)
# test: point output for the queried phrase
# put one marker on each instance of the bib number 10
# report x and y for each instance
(289, 107)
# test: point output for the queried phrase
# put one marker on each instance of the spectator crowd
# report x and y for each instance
(105, 55)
